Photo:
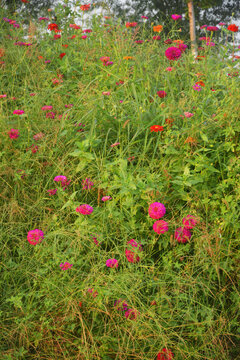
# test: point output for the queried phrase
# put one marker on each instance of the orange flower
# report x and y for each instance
(2, 52)
(169, 121)
(128, 58)
(190, 140)
(40, 57)
(200, 83)
(178, 41)
(156, 128)
(157, 28)
(52, 26)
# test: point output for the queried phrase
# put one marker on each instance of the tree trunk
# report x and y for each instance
(192, 28)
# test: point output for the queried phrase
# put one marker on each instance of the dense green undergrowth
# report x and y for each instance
(185, 295)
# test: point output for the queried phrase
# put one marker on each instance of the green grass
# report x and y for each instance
(195, 285)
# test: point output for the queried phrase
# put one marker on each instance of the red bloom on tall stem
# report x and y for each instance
(85, 7)
(52, 26)
(233, 28)
(156, 128)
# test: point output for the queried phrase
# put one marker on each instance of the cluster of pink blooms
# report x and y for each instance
(87, 184)
(183, 234)
(132, 255)
(65, 266)
(18, 112)
(156, 211)
(34, 237)
(112, 263)
(84, 209)
(63, 180)
(130, 314)
(13, 133)
(12, 22)
(106, 60)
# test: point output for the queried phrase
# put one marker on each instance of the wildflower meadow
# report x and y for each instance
(120, 188)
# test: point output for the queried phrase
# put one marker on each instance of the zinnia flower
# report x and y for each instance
(84, 209)
(105, 198)
(157, 28)
(173, 53)
(176, 17)
(162, 93)
(123, 305)
(156, 128)
(165, 355)
(112, 263)
(52, 191)
(188, 114)
(62, 55)
(131, 24)
(233, 28)
(131, 256)
(182, 235)
(160, 227)
(18, 112)
(47, 107)
(131, 314)
(34, 237)
(189, 222)
(212, 28)
(65, 266)
(156, 210)
(13, 133)
(85, 7)
(52, 27)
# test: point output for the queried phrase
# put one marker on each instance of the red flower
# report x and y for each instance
(156, 128)
(85, 7)
(52, 27)
(162, 93)
(62, 55)
(165, 355)
(233, 28)
(25, 1)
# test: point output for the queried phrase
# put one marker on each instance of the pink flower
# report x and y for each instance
(106, 198)
(106, 93)
(212, 28)
(87, 184)
(65, 266)
(182, 47)
(47, 107)
(131, 314)
(84, 209)
(123, 305)
(188, 114)
(68, 106)
(13, 133)
(197, 87)
(182, 235)
(160, 227)
(115, 144)
(189, 222)
(35, 236)
(94, 293)
(131, 256)
(169, 68)
(18, 112)
(94, 238)
(34, 148)
(3, 96)
(162, 94)
(135, 244)
(50, 115)
(203, 27)
(52, 191)
(87, 31)
(173, 53)
(112, 263)
(63, 180)
(176, 17)
(156, 37)
(38, 136)
(32, 94)
(156, 210)
(222, 24)
(84, 37)
(144, 17)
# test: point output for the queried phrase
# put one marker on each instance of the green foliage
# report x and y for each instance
(186, 295)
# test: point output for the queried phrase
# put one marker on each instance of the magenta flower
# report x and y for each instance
(123, 305)
(197, 87)
(34, 237)
(65, 266)
(182, 235)
(203, 27)
(91, 291)
(222, 24)
(38, 136)
(160, 227)
(52, 191)
(212, 28)
(18, 112)
(3, 96)
(162, 94)
(156, 210)
(84, 37)
(182, 47)
(131, 314)
(156, 37)
(13, 133)
(106, 198)
(47, 107)
(115, 144)
(131, 256)
(84, 209)
(144, 17)
(173, 53)
(135, 244)
(176, 17)
(63, 179)
(189, 222)
(112, 263)
(32, 94)
(87, 184)
(50, 115)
